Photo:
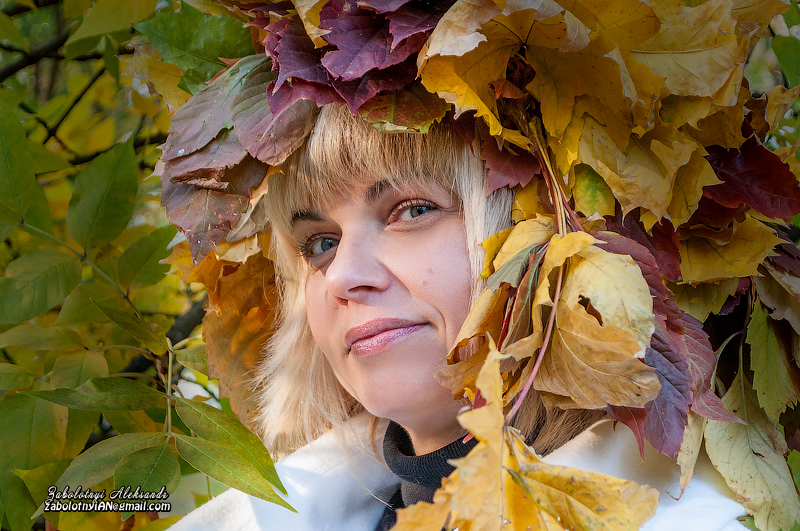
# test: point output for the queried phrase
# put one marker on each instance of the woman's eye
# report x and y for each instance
(414, 211)
(320, 245)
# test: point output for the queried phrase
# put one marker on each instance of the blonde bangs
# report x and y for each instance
(345, 153)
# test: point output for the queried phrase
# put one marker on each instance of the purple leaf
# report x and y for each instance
(383, 6)
(294, 52)
(362, 41)
(661, 243)
(667, 414)
(206, 215)
(755, 176)
(270, 136)
(416, 17)
(506, 168)
(702, 362)
(358, 91)
(632, 417)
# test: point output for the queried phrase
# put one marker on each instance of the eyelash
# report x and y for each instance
(304, 247)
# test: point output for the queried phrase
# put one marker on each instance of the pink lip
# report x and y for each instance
(375, 335)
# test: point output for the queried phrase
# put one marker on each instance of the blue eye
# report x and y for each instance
(321, 245)
(414, 211)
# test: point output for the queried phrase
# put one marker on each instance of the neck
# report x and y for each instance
(426, 442)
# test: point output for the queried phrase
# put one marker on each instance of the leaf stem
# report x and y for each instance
(170, 353)
(545, 342)
(85, 259)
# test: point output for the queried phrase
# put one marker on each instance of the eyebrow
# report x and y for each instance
(371, 195)
(305, 216)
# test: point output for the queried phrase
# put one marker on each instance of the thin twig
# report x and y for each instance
(545, 342)
(53, 130)
(37, 53)
(138, 143)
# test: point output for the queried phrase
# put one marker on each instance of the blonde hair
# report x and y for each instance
(299, 397)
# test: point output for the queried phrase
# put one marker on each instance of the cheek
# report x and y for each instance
(449, 281)
(316, 309)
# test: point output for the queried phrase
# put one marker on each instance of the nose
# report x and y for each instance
(357, 270)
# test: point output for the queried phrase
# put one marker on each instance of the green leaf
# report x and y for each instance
(217, 461)
(774, 371)
(79, 307)
(131, 421)
(18, 503)
(21, 199)
(104, 394)
(108, 16)
(35, 282)
(792, 15)
(73, 370)
(194, 358)
(43, 160)
(591, 192)
(33, 433)
(80, 426)
(214, 425)
(138, 328)
(36, 337)
(110, 58)
(176, 37)
(787, 49)
(139, 264)
(10, 32)
(104, 197)
(98, 462)
(15, 377)
(150, 469)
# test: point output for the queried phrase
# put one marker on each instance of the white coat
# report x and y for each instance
(339, 487)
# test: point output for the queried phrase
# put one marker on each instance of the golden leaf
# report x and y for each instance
(146, 65)
(309, 14)
(642, 175)
(528, 201)
(531, 232)
(704, 260)
(595, 365)
(559, 249)
(690, 447)
(688, 187)
(695, 50)
(611, 285)
(703, 298)
(461, 81)
(456, 33)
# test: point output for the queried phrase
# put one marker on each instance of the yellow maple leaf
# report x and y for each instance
(704, 259)
(688, 187)
(695, 50)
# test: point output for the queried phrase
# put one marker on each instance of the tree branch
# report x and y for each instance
(179, 331)
(51, 132)
(37, 53)
(18, 9)
(138, 143)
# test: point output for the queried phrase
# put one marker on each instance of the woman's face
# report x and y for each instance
(387, 292)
